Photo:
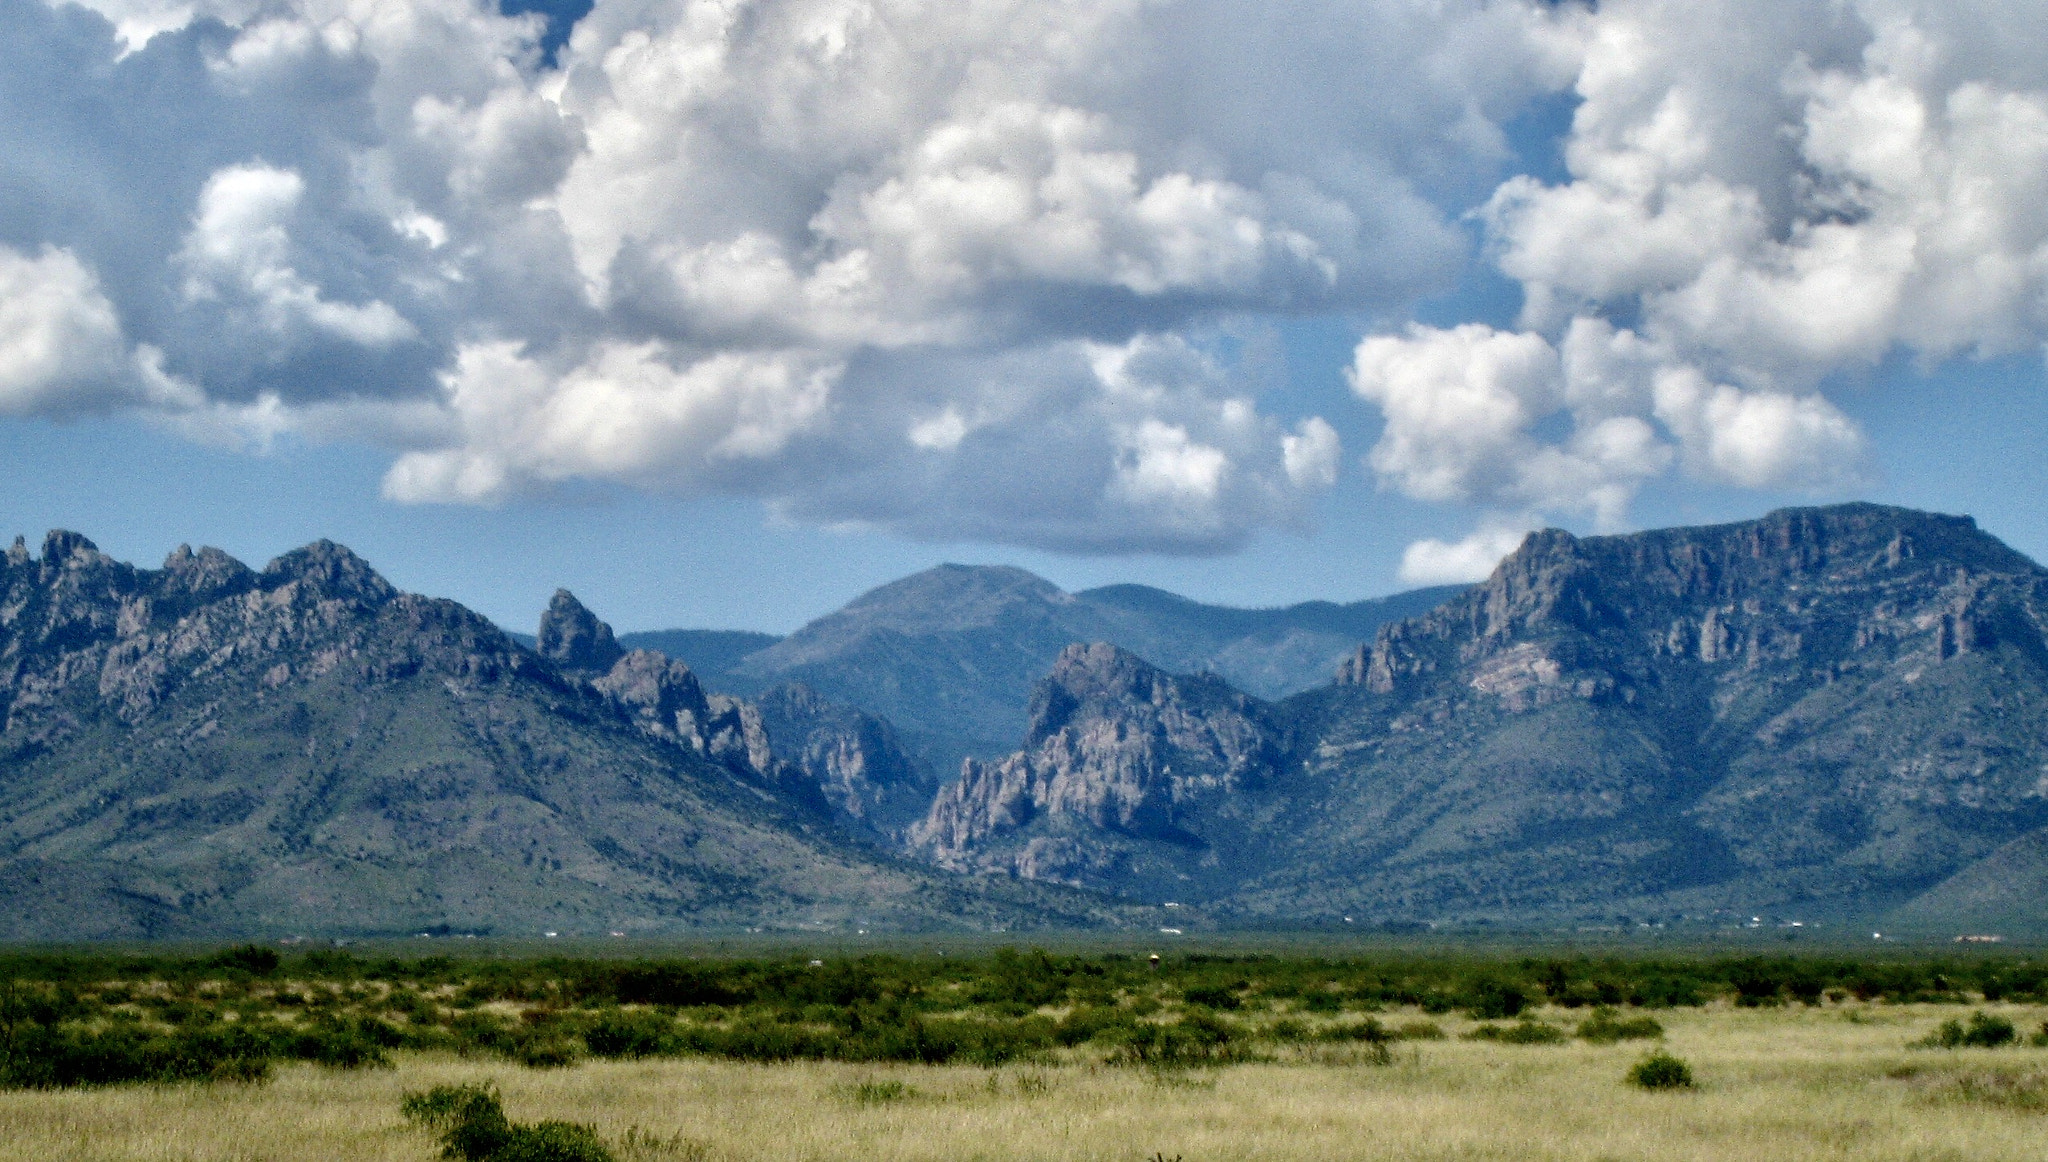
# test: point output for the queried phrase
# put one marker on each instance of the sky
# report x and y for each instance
(720, 312)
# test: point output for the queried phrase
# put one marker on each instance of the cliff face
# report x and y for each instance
(1824, 711)
(207, 749)
(1128, 780)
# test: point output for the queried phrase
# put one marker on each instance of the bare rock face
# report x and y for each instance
(875, 786)
(1129, 776)
(572, 637)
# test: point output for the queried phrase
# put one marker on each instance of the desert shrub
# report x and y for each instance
(1984, 1031)
(1523, 1032)
(1288, 1031)
(620, 1034)
(1195, 1039)
(1490, 999)
(473, 1127)
(1087, 1022)
(1605, 1027)
(1212, 996)
(547, 1053)
(1370, 1030)
(37, 1056)
(1661, 1070)
(1322, 1001)
(869, 1093)
(344, 1043)
(1375, 1037)
(250, 958)
(1419, 1031)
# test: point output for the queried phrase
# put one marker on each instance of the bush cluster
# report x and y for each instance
(97, 1019)
(472, 1125)
(1661, 1070)
(1984, 1031)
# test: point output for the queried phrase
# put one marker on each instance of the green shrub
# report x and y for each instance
(1212, 996)
(37, 1056)
(1196, 1039)
(618, 1034)
(1490, 999)
(1088, 1022)
(1984, 1031)
(1661, 1070)
(1523, 1032)
(250, 958)
(473, 1128)
(870, 1093)
(1604, 1027)
(1419, 1031)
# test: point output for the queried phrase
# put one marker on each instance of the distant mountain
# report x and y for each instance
(1825, 712)
(950, 655)
(707, 651)
(207, 750)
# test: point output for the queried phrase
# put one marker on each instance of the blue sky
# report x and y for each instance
(1321, 308)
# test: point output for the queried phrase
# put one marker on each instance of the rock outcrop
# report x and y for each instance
(1129, 779)
(573, 638)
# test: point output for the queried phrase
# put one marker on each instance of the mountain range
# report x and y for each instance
(205, 749)
(1826, 714)
(951, 655)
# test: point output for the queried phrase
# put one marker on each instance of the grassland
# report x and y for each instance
(1317, 1059)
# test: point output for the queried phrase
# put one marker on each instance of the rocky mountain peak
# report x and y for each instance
(207, 575)
(63, 549)
(1127, 771)
(330, 570)
(572, 637)
(1765, 591)
(1092, 680)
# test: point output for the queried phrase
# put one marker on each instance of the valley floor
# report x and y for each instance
(1836, 1081)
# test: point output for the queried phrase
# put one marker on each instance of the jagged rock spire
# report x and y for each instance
(572, 637)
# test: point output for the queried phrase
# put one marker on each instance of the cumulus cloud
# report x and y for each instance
(949, 269)
(960, 269)
(1759, 197)
(1435, 562)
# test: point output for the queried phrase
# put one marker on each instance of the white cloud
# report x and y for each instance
(239, 247)
(61, 348)
(952, 269)
(1311, 453)
(1785, 189)
(1504, 419)
(1434, 562)
(1769, 194)
(636, 412)
(958, 269)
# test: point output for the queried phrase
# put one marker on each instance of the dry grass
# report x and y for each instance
(1791, 1084)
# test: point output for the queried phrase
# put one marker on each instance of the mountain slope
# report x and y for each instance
(1826, 711)
(209, 750)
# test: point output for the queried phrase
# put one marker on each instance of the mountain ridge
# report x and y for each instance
(210, 749)
(1835, 710)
